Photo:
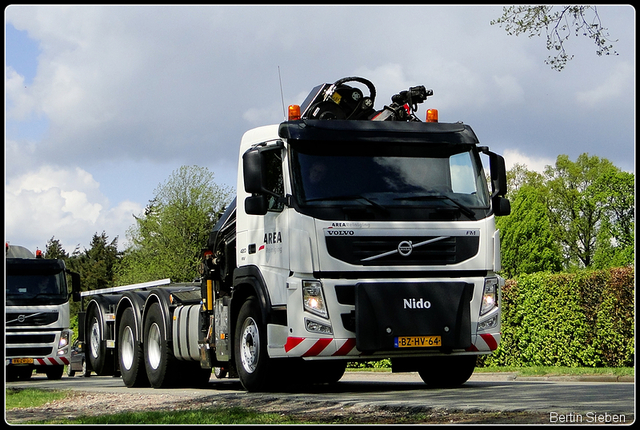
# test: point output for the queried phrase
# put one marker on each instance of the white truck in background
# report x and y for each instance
(355, 235)
(37, 332)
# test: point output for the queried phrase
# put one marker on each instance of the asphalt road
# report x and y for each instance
(561, 398)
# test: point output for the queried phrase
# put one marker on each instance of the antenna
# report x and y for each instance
(284, 112)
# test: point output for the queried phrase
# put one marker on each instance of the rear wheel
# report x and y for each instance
(250, 348)
(158, 357)
(130, 353)
(448, 372)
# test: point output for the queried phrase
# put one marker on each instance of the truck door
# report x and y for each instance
(268, 236)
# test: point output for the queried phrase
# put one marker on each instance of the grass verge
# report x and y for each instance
(31, 398)
(559, 370)
(235, 415)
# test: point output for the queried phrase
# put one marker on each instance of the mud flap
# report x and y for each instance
(386, 311)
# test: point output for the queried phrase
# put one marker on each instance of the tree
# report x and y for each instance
(615, 242)
(167, 239)
(99, 262)
(54, 249)
(558, 25)
(578, 214)
(527, 241)
(583, 206)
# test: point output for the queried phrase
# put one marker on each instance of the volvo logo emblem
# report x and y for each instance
(405, 248)
(21, 318)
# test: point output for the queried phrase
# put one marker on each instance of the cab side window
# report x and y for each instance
(275, 182)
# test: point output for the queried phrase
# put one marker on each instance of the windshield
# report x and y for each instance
(389, 180)
(36, 289)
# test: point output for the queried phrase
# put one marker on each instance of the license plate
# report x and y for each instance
(21, 360)
(418, 341)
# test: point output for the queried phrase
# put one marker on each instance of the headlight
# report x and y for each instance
(489, 295)
(313, 298)
(64, 340)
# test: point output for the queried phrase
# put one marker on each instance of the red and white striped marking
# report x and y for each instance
(50, 361)
(486, 342)
(323, 347)
(328, 347)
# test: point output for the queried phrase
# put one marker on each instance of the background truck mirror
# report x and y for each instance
(75, 286)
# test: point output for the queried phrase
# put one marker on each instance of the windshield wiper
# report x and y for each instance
(353, 197)
(464, 209)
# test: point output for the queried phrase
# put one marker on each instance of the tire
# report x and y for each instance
(70, 373)
(250, 348)
(19, 373)
(192, 375)
(100, 361)
(54, 372)
(130, 356)
(85, 370)
(448, 372)
(326, 372)
(159, 360)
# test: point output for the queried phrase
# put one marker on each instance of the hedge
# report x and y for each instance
(584, 319)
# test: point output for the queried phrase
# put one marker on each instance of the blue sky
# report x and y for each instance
(103, 103)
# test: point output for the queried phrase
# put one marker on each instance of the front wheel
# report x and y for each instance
(54, 372)
(447, 372)
(250, 348)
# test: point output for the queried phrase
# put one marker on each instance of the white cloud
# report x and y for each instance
(620, 80)
(65, 204)
(537, 164)
(509, 91)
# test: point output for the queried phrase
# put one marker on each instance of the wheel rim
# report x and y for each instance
(127, 346)
(94, 341)
(153, 346)
(250, 345)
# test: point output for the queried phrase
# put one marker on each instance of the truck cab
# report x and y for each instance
(364, 240)
(37, 314)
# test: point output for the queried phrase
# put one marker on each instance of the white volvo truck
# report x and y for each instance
(37, 332)
(355, 235)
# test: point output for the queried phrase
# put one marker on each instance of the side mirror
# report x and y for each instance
(501, 206)
(256, 205)
(498, 175)
(253, 171)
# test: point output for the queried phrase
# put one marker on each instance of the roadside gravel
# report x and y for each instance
(90, 404)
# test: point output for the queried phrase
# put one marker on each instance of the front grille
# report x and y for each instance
(29, 351)
(357, 249)
(31, 319)
(30, 338)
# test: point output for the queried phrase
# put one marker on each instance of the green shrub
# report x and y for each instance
(578, 319)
